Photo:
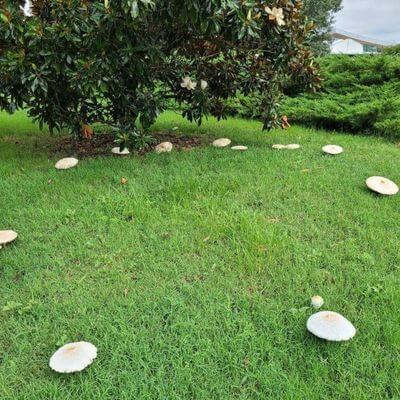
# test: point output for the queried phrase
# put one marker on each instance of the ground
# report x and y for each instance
(193, 279)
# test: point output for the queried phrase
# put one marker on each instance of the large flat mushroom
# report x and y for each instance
(239, 148)
(331, 326)
(165, 147)
(117, 151)
(332, 149)
(7, 237)
(278, 146)
(224, 142)
(66, 163)
(293, 146)
(382, 185)
(73, 357)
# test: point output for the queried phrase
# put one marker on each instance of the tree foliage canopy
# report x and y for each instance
(76, 62)
(322, 12)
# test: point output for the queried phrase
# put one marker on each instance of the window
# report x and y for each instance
(368, 48)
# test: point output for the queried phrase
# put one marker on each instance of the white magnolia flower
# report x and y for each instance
(192, 85)
(188, 84)
(185, 82)
(27, 8)
(204, 85)
(276, 14)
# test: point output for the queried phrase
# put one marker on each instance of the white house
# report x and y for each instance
(350, 43)
(347, 46)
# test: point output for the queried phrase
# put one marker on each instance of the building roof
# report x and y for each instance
(340, 34)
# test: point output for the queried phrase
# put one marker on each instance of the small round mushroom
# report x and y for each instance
(332, 149)
(317, 301)
(222, 142)
(73, 357)
(293, 146)
(331, 326)
(239, 148)
(117, 151)
(165, 147)
(7, 237)
(278, 146)
(382, 185)
(66, 163)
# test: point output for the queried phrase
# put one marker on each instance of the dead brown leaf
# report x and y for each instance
(87, 131)
(285, 122)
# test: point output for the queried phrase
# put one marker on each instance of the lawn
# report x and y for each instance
(193, 279)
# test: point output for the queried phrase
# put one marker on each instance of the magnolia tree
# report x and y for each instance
(72, 63)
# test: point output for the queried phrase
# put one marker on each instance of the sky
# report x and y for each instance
(377, 19)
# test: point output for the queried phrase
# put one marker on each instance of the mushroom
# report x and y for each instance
(317, 301)
(7, 237)
(279, 146)
(222, 142)
(119, 152)
(382, 185)
(165, 147)
(332, 149)
(73, 357)
(331, 326)
(292, 146)
(239, 148)
(67, 163)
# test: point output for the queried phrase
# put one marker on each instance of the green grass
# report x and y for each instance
(192, 279)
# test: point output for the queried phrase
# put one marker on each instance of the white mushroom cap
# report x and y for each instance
(222, 142)
(331, 326)
(279, 146)
(239, 148)
(165, 147)
(7, 237)
(317, 301)
(382, 185)
(73, 357)
(332, 149)
(67, 163)
(293, 146)
(117, 151)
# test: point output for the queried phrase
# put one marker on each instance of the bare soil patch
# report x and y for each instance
(101, 145)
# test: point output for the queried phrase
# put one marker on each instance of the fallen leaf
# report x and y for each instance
(285, 122)
(87, 131)
(263, 249)
(206, 239)
(304, 171)
(124, 181)
(126, 291)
